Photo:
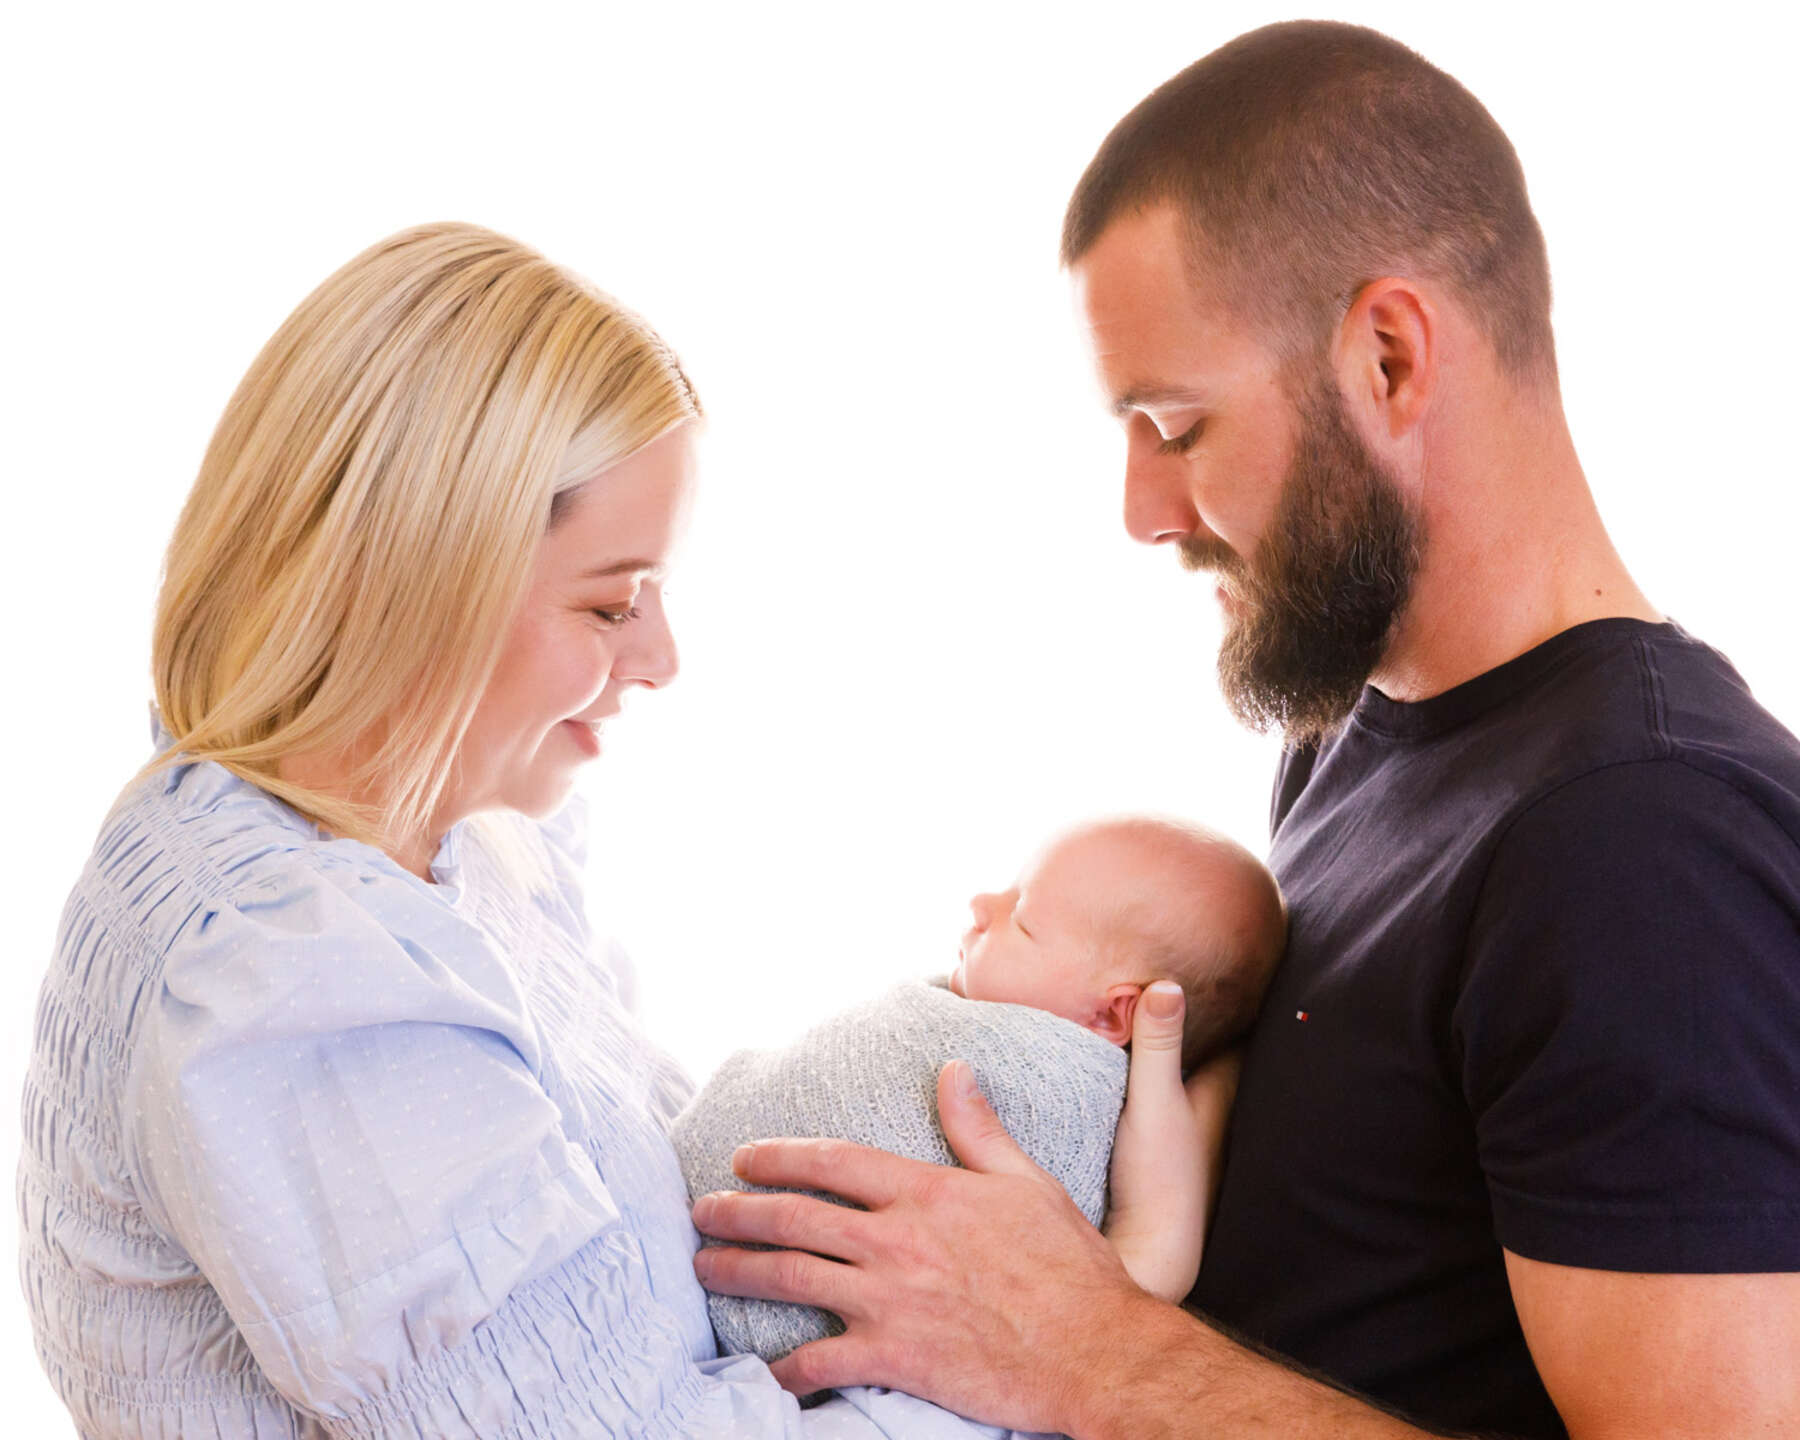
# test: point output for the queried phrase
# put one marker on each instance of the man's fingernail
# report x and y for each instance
(964, 1080)
(1163, 1000)
(740, 1158)
(703, 1209)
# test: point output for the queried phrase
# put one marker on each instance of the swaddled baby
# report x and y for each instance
(1040, 1004)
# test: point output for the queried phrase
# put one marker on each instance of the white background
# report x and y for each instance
(916, 638)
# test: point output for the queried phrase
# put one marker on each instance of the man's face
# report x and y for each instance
(1314, 545)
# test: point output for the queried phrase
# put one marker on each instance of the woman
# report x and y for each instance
(333, 1126)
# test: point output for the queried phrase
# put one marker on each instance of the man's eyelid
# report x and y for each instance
(1173, 424)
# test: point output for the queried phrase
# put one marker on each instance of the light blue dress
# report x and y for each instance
(314, 1148)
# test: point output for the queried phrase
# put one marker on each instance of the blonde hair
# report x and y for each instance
(364, 522)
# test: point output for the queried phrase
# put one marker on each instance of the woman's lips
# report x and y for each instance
(586, 736)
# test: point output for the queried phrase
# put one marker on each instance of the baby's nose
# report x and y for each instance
(982, 908)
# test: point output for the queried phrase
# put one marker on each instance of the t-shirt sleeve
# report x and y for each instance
(341, 1123)
(1627, 1023)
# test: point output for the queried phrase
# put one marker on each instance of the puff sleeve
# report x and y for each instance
(338, 1115)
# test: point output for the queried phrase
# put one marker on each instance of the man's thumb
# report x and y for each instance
(975, 1133)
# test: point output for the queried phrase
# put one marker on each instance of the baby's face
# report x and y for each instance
(1033, 944)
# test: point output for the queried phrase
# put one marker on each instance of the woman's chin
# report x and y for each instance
(544, 791)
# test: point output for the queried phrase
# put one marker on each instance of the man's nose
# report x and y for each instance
(1157, 508)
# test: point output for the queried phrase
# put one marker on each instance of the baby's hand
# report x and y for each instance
(1165, 1160)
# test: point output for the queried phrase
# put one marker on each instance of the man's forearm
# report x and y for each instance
(1157, 1373)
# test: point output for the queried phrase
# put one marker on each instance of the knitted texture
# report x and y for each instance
(870, 1075)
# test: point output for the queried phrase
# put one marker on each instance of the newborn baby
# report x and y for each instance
(1040, 1005)
(1109, 907)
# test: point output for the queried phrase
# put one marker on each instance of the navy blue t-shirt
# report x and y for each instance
(1542, 992)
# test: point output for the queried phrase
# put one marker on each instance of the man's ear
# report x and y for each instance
(1387, 355)
(1112, 1019)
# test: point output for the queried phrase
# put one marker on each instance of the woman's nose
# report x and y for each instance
(649, 656)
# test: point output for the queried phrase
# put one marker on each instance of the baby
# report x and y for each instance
(1111, 906)
(1040, 1004)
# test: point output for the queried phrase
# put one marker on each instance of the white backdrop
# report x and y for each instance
(916, 638)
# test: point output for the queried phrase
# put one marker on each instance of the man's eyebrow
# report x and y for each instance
(1143, 397)
(620, 567)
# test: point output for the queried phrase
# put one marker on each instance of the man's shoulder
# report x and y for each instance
(1657, 714)
(1607, 694)
(1704, 707)
(1619, 690)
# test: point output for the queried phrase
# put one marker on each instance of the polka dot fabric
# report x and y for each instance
(315, 1148)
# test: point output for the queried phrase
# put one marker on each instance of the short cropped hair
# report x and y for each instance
(1309, 158)
(366, 518)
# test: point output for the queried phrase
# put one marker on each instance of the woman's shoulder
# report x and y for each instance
(195, 857)
(206, 888)
(196, 837)
(190, 837)
(220, 834)
(252, 943)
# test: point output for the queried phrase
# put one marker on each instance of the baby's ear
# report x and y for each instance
(1112, 1020)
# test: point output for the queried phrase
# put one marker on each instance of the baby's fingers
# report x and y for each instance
(1156, 1107)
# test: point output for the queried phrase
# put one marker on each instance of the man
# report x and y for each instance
(1517, 1143)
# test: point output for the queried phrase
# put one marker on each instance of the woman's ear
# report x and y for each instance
(1112, 1018)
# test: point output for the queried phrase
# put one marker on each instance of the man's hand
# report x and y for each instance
(983, 1289)
(1165, 1159)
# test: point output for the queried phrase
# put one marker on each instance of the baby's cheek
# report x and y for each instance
(978, 987)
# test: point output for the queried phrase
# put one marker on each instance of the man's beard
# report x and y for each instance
(1317, 603)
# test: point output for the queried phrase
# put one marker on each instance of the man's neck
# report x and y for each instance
(1515, 553)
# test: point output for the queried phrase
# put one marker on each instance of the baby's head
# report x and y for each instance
(1110, 906)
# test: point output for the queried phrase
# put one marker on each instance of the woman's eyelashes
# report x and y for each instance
(615, 618)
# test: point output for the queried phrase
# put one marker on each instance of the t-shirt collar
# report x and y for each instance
(1422, 719)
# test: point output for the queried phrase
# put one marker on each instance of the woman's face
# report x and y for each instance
(591, 627)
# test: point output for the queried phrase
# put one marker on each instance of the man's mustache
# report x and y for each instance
(1209, 552)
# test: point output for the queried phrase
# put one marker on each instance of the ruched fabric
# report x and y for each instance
(315, 1148)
